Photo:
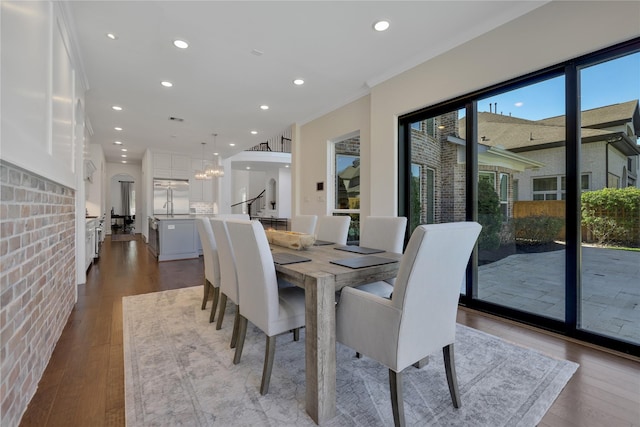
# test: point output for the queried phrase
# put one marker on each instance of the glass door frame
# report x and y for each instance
(573, 264)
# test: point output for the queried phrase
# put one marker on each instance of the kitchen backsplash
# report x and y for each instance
(201, 208)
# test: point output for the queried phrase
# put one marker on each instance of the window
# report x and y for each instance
(490, 177)
(346, 180)
(504, 196)
(613, 181)
(431, 196)
(550, 189)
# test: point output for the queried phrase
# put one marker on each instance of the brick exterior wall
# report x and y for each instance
(430, 149)
(37, 281)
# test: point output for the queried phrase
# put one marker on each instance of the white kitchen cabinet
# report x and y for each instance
(90, 242)
(171, 166)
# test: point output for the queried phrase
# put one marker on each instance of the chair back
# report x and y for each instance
(333, 228)
(242, 217)
(428, 287)
(209, 251)
(304, 224)
(257, 282)
(227, 261)
(383, 232)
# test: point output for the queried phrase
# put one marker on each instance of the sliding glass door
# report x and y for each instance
(548, 163)
(521, 203)
(610, 287)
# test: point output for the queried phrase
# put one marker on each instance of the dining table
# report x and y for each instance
(321, 279)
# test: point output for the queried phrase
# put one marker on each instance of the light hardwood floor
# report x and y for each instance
(83, 384)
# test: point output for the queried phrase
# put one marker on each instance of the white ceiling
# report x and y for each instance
(219, 84)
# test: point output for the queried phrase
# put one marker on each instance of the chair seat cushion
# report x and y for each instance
(382, 289)
(290, 312)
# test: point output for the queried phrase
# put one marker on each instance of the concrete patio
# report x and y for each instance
(535, 283)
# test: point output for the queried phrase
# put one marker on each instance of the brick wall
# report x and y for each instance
(37, 281)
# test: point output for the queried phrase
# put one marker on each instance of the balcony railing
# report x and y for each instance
(278, 145)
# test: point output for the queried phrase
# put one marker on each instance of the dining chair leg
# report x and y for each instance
(205, 298)
(397, 403)
(269, 355)
(421, 363)
(236, 323)
(242, 332)
(216, 295)
(450, 369)
(223, 307)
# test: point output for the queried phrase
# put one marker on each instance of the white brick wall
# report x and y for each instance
(37, 281)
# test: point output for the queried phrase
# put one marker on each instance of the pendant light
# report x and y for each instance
(215, 170)
(202, 174)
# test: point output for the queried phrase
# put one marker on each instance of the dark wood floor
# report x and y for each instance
(83, 384)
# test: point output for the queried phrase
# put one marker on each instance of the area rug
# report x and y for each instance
(179, 371)
(124, 237)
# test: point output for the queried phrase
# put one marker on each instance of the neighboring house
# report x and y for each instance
(609, 152)
(522, 159)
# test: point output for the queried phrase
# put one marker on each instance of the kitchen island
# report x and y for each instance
(177, 237)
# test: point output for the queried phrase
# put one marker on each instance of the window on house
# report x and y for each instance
(613, 181)
(504, 196)
(490, 177)
(431, 196)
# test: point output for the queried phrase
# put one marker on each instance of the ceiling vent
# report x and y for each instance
(176, 119)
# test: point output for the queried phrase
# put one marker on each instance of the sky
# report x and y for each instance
(608, 83)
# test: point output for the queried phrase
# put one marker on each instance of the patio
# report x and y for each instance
(535, 283)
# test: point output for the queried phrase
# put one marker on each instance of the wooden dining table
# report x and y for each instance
(321, 279)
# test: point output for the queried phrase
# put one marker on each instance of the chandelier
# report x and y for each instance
(214, 170)
(202, 173)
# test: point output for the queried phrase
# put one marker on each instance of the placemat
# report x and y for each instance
(283, 258)
(363, 261)
(359, 249)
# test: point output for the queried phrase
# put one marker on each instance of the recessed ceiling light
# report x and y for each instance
(123, 155)
(180, 44)
(248, 167)
(117, 128)
(232, 145)
(264, 107)
(298, 82)
(124, 161)
(166, 84)
(123, 149)
(117, 142)
(116, 107)
(381, 26)
(286, 166)
(112, 36)
(215, 154)
(254, 132)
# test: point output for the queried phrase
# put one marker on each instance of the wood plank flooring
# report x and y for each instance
(83, 384)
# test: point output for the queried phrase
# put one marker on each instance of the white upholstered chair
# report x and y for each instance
(333, 228)
(274, 311)
(211, 264)
(304, 223)
(420, 317)
(387, 233)
(243, 217)
(228, 274)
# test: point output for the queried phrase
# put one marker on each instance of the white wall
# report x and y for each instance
(95, 194)
(311, 161)
(538, 39)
